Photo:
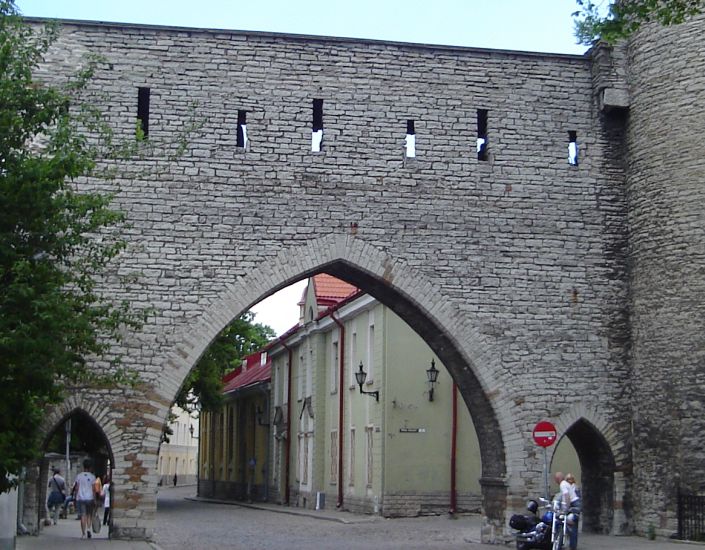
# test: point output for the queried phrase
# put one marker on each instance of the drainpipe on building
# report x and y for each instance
(287, 446)
(341, 393)
(212, 454)
(453, 450)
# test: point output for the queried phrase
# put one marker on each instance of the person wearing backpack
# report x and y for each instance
(57, 494)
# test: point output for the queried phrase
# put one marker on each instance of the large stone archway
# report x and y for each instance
(414, 299)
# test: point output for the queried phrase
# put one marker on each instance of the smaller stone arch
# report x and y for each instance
(89, 419)
(603, 459)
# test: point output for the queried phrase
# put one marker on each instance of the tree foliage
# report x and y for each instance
(204, 385)
(618, 19)
(54, 242)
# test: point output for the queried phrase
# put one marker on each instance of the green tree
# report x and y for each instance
(610, 21)
(204, 384)
(54, 242)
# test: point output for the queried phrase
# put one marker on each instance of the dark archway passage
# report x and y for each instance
(597, 466)
(72, 440)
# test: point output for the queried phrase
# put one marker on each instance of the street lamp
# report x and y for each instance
(360, 376)
(432, 375)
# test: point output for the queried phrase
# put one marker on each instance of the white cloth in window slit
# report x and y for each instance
(316, 140)
(410, 145)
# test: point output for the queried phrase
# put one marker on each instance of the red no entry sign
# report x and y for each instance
(544, 434)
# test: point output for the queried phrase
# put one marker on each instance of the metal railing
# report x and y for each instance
(691, 517)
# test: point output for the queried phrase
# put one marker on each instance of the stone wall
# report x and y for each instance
(666, 194)
(513, 268)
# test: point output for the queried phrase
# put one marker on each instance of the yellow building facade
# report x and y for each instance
(407, 450)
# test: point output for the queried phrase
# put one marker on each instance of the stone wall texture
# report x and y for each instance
(519, 270)
(666, 192)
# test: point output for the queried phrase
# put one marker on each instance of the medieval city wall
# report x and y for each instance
(512, 268)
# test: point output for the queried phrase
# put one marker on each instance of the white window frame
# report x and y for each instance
(334, 361)
(353, 355)
(370, 347)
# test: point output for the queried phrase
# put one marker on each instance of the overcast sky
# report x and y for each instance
(531, 25)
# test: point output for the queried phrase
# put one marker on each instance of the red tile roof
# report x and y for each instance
(330, 290)
(255, 373)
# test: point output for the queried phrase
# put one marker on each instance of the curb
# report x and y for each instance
(287, 510)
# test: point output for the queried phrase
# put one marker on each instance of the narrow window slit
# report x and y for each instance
(482, 140)
(241, 129)
(143, 111)
(573, 147)
(317, 128)
(410, 143)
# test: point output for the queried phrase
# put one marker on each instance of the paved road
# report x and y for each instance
(186, 523)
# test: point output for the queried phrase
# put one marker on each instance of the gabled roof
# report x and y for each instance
(330, 290)
(254, 373)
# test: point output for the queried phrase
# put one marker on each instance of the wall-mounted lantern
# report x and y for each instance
(360, 376)
(432, 375)
(190, 429)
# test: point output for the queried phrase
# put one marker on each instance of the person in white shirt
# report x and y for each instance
(107, 487)
(85, 497)
(571, 503)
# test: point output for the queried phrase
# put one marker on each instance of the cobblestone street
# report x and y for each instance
(183, 523)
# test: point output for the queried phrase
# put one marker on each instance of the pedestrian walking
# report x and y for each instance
(107, 488)
(175, 479)
(85, 497)
(57, 494)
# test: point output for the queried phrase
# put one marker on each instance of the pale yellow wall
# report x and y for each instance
(363, 412)
(420, 460)
(230, 459)
(565, 459)
(180, 454)
(401, 462)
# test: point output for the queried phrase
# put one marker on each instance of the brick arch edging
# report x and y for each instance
(93, 408)
(293, 262)
(621, 522)
(583, 411)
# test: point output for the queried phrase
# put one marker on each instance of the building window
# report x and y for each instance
(143, 112)
(241, 139)
(334, 359)
(370, 347)
(410, 142)
(369, 432)
(351, 468)
(353, 356)
(334, 457)
(307, 443)
(573, 147)
(317, 126)
(230, 434)
(300, 378)
(482, 137)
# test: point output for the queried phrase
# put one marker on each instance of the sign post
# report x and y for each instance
(544, 435)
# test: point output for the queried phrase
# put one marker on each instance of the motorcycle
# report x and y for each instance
(534, 532)
(550, 531)
(563, 520)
